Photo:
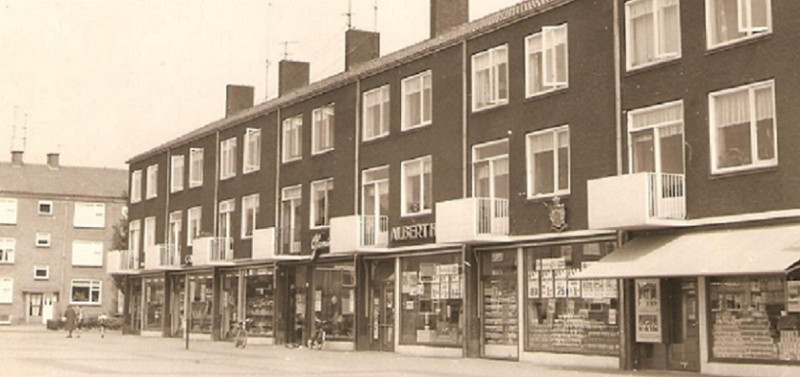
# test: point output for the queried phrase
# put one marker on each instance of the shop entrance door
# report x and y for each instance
(382, 314)
(499, 314)
(684, 332)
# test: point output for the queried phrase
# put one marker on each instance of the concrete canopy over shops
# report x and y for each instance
(764, 250)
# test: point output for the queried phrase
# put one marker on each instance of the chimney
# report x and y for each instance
(360, 46)
(16, 158)
(447, 14)
(292, 75)
(237, 98)
(52, 161)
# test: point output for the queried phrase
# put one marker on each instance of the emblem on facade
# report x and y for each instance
(558, 215)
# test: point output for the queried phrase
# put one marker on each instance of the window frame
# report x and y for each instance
(530, 174)
(93, 285)
(176, 178)
(247, 206)
(328, 185)
(151, 185)
(6, 244)
(252, 150)
(43, 239)
(425, 101)
(295, 201)
(49, 204)
(658, 29)
(494, 78)
(756, 164)
(404, 212)
(45, 268)
(656, 128)
(134, 235)
(327, 118)
(384, 107)
(196, 174)
(292, 126)
(547, 87)
(81, 207)
(227, 158)
(710, 5)
(194, 215)
(136, 186)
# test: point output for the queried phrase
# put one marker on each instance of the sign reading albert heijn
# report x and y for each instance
(413, 232)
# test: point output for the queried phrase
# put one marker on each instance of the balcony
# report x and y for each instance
(374, 231)
(212, 251)
(637, 201)
(263, 244)
(162, 257)
(356, 232)
(289, 242)
(122, 262)
(472, 220)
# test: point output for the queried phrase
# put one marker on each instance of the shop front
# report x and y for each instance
(248, 292)
(153, 304)
(334, 304)
(200, 297)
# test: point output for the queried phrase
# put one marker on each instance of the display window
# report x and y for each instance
(259, 301)
(755, 318)
(153, 303)
(565, 314)
(334, 300)
(201, 300)
(431, 305)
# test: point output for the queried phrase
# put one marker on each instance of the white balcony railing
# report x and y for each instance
(169, 256)
(123, 262)
(667, 194)
(637, 201)
(374, 231)
(492, 216)
(221, 250)
(472, 220)
(289, 241)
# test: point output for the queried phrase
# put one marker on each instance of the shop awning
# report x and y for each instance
(751, 251)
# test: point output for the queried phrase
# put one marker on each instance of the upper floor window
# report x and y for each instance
(292, 138)
(417, 100)
(136, 186)
(226, 208)
(152, 181)
(89, 215)
(6, 290)
(548, 162)
(194, 218)
(320, 202)
(8, 211)
(322, 129)
(416, 186)
(43, 239)
(249, 214)
(195, 167)
(45, 207)
(227, 158)
(653, 31)
(490, 78)
(743, 134)
(149, 235)
(85, 292)
(376, 113)
(252, 150)
(41, 272)
(174, 229)
(547, 63)
(728, 21)
(134, 232)
(176, 173)
(291, 219)
(7, 246)
(656, 138)
(87, 253)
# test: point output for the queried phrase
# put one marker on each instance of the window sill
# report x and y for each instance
(195, 186)
(741, 171)
(486, 108)
(253, 170)
(546, 94)
(548, 197)
(286, 162)
(375, 139)
(322, 152)
(226, 178)
(176, 190)
(735, 43)
(319, 227)
(416, 214)
(651, 66)
(415, 127)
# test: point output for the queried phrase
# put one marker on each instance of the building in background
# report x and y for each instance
(56, 225)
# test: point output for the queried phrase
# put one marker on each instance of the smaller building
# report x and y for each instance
(56, 224)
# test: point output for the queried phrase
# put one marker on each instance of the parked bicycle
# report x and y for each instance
(240, 333)
(318, 340)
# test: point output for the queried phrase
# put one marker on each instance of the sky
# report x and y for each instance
(100, 81)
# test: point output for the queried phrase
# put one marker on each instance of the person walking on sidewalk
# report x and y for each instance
(101, 320)
(70, 317)
(79, 321)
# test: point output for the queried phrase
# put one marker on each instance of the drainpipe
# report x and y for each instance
(217, 158)
(464, 104)
(278, 154)
(617, 88)
(357, 150)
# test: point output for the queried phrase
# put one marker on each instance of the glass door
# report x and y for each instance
(684, 336)
(500, 307)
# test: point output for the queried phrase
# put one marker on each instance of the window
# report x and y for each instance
(227, 159)
(490, 78)
(85, 292)
(174, 231)
(136, 186)
(249, 215)
(322, 129)
(743, 133)
(41, 272)
(417, 100)
(8, 211)
(89, 215)
(226, 209)
(42, 239)
(7, 246)
(45, 207)
(149, 232)
(195, 167)
(728, 21)
(656, 138)
(375, 206)
(548, 162)
(320, 202)
(176, 176)
(87, 253)
(152, 181)
(194, 218)
(252, 150)
(376, 113)
(6, 290)
(547, 60)
(134, 232)
(292, 138)
(291, 219)
(653, 31)
(417, 187)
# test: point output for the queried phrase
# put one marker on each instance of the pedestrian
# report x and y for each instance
(69, 320)
(79, 321)
(101, 320)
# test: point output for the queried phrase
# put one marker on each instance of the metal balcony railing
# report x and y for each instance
(169, 255)
(666, 196)
(374, 230)
(492, 216)
(220, 250)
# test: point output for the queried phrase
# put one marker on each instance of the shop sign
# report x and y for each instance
(648, 311)
(414, 232)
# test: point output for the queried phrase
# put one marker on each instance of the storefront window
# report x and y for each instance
(755, 318)
(565, 314)
(431, 300)
(201, 292)
(259, 299)
(154, 303)
(334, 299)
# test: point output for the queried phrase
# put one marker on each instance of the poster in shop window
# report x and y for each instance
(648, 311)
(533, 284)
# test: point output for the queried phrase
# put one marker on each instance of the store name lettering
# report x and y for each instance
(414, 232)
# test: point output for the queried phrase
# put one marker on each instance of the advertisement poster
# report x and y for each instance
(533, 284)
(648, 311)
(455, 286)
(548, 291)
(574, 288)
(561, 288)
(410, 282)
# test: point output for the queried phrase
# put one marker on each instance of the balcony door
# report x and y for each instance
(375, 205)
(490, 186)
(291, 219)
(175, 226)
